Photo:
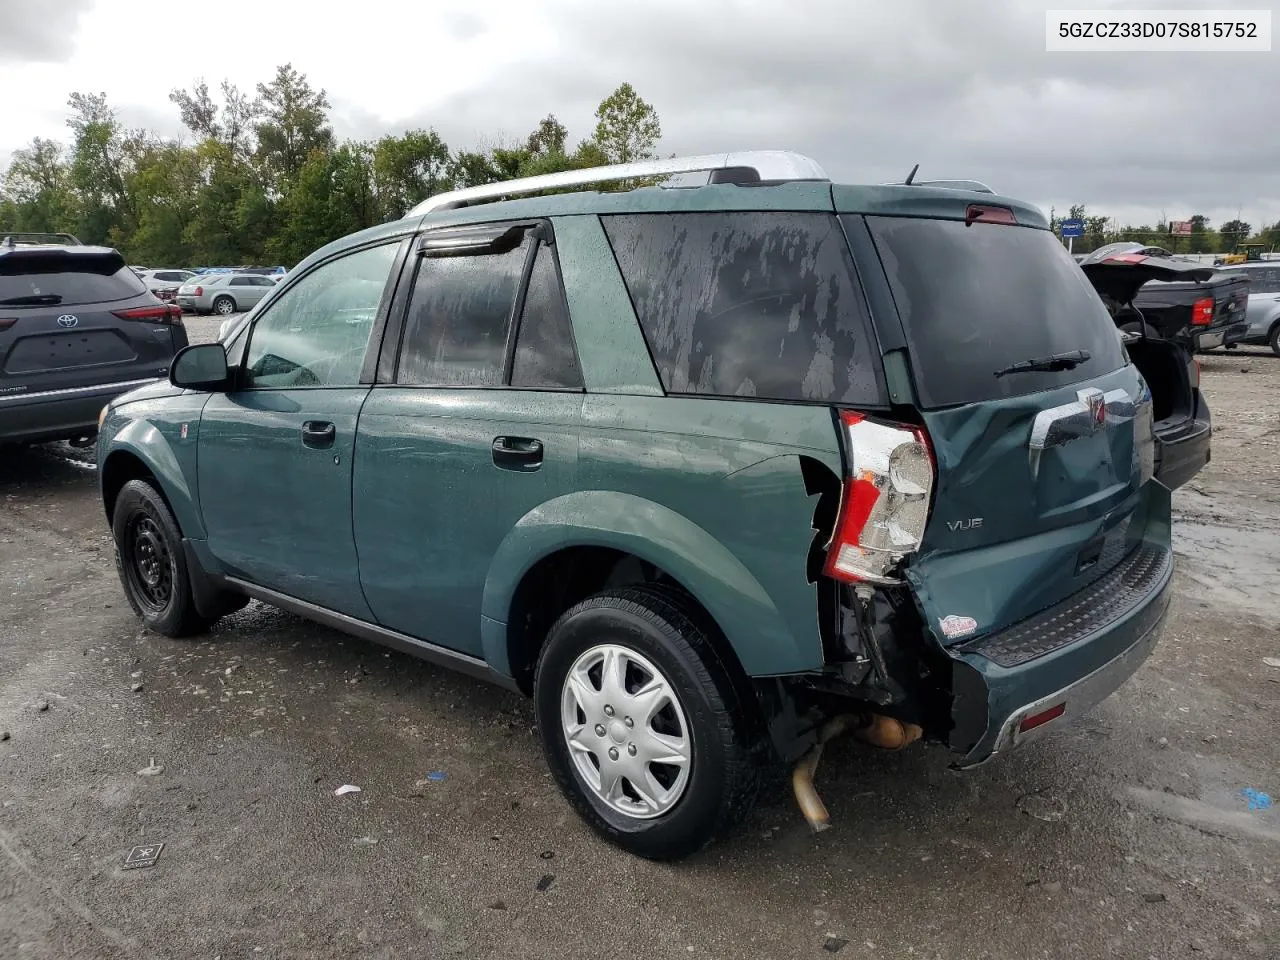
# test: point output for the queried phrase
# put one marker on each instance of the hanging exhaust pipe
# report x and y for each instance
(876, 729)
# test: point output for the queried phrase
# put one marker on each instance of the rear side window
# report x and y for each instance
(45, 279)
(456, 330)
(748, 304)
(545, 355)
(977, 299)
(1261, 279)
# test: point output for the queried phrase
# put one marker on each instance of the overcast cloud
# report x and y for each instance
(868, 89)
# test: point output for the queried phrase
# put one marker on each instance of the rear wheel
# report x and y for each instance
(642, 725)
(1275, 340)
(224, 306)
(152, 566)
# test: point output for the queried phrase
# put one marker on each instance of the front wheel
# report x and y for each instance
(1275, 340)
(224, 306)
(151, 564)
(642, 725)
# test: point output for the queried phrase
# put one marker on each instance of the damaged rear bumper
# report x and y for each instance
(1060, 663)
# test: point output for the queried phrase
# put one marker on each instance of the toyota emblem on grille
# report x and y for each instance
(67, 320)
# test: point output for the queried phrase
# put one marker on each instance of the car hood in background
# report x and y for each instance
(1118, 270)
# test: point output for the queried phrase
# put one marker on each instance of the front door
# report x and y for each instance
(275, 454)
(480, 428)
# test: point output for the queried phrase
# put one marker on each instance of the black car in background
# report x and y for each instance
(77, 328)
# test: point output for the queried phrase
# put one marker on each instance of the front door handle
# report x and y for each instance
(517, 453)
(318, 434)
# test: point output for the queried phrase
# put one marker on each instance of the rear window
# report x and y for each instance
(977, 299)
(36, 279)
(744, 304)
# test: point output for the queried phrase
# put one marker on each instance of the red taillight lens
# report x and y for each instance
(163, 313)
(1202, 312)
(979, 213)
(885, 504)
(199, 291)
(7, 322)
(1127, 258)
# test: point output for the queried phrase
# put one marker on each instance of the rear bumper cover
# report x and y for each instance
(58, 414)
(1076, 653)
(1220, 336)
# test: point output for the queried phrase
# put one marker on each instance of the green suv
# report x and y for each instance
(710, 471)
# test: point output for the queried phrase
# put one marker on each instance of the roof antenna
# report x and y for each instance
(911, 176)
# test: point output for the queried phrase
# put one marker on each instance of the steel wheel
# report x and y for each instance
(149, 562)
(626, 731)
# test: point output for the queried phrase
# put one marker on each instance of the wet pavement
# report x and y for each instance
(1148, 829)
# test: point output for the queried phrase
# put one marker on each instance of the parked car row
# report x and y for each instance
(711, 473)
(223, 293)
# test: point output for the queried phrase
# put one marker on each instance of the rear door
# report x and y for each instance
(65, 321)
(479, 427)
(1042, 467)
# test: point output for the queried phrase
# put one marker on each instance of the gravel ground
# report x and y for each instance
(1144, 830)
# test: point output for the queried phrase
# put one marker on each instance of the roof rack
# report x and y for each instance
(750, 167)
(13, 239)
(973, 186)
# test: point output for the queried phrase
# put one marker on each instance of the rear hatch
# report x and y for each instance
(78, 316)
(1039, 426)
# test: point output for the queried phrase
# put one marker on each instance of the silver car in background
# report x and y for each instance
(223, 293)
(1264, 301)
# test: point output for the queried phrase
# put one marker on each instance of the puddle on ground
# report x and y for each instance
(1237, 566)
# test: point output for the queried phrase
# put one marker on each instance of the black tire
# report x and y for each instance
(1274, 340)
(224, 306)
(151, 563)
(665, 627)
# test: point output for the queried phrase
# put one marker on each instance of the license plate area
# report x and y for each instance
(62, 351)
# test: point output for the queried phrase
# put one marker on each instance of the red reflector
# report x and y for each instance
(977, 213)
(1043, 717)
(1202, 312)
(7, 322)
(1127, 258)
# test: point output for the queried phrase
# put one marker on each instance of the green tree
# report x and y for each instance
(37, 187)
(1200, 240)
(294, 123)
(408, 169)
(549, 138)
(98, 167)
(627, 127)
(1234, 232)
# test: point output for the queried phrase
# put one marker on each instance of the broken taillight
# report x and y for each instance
(1202, 312)
(164, 313)
(884, 506)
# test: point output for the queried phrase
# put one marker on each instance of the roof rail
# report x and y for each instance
(13, 239)
(758, 166)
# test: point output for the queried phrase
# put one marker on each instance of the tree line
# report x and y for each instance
(1101, 230)
(262, 178)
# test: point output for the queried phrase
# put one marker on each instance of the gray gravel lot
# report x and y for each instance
(1129, 834)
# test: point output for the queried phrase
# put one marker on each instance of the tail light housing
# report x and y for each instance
(7, 322)
(1202, 312)
(167, 313)
(884, 506)
(199, 292)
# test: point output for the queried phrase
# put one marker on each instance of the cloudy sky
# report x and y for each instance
(963, 87)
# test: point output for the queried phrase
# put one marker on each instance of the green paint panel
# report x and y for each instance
(902, 201)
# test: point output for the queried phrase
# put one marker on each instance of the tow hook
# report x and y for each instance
(875, 729)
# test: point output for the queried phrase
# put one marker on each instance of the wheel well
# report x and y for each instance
(561, 580)
(119, 468)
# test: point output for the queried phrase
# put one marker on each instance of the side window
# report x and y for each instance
(315, 334)
(544, 346)
(241, 282)
(1267, 281)
(748, 304)
(455, 332)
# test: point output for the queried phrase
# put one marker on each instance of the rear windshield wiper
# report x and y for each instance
(35, 300)
(1058, 361)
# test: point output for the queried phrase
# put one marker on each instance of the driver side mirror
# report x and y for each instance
(201, 366)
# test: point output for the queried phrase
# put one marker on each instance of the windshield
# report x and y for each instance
(44, 279)
(979, 299)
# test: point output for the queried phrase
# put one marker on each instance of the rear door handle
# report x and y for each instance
(517, 453)
(318, 434)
